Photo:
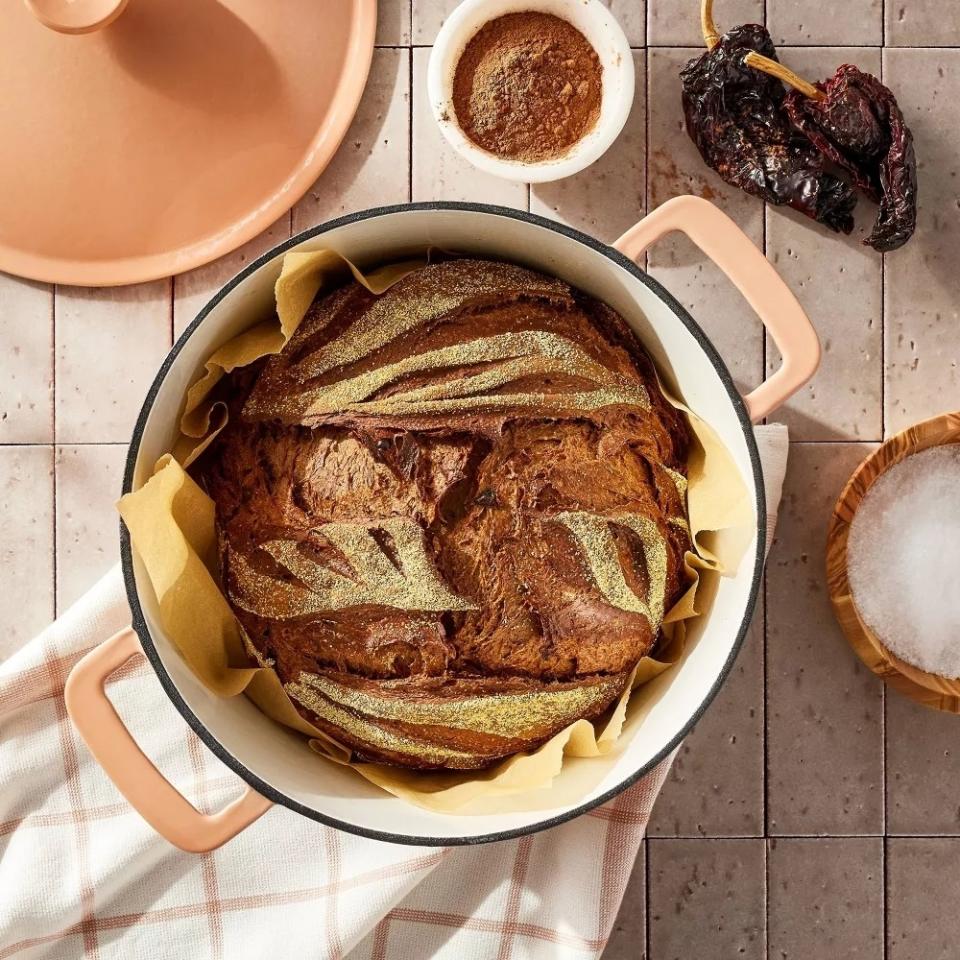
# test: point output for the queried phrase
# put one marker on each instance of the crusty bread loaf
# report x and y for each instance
(451, 516)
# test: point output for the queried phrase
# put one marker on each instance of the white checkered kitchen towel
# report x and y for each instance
(82, 875)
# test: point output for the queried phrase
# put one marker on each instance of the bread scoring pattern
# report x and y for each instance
(452, 516)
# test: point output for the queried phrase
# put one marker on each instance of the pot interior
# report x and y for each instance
(280, 761)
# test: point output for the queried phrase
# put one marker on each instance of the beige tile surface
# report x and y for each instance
(716, 785)
(372, 166)
(920, 23)
(26, 543)
(26, 385)
(923, 889)
(706, 899)
(608, 197)
(109, 344)
(393, 22)
(923, 769)
(632, 17)
(428, 18)
(676, 23)
(89, 481)
(429, 15)
(921, 289)
(857, 22)
(824, 708)
(674, 166)
(843, 401)
(826, 899)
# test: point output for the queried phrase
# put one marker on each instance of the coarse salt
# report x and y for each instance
(903, 559)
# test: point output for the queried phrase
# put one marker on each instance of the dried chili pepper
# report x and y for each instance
(735, 115)
(858, 125)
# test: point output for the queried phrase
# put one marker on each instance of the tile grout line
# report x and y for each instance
(764, 724)
(647, 73)
(79, 443)
(838, 440)
(766, 715)
(764, 801)
(883, 432)
(691, 46)
(883, 291)
(766, 897)
(884, 880)
(53, 449)
(804, 836)
(646, 266)
(883, 310)
(410, 146)
(646, 897)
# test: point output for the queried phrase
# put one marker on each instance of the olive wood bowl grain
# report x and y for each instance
(941, 693)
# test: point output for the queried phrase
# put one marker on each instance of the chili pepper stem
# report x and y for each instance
(756, 60)
(709, 29)
(759, 62)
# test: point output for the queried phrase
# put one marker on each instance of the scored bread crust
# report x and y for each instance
(451, 516)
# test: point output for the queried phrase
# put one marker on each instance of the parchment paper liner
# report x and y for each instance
(171, 524)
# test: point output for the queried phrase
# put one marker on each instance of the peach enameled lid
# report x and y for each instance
(172, 134)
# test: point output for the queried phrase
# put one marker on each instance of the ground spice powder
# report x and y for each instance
(527, 87)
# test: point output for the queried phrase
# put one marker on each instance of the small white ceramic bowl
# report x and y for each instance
(603, 32)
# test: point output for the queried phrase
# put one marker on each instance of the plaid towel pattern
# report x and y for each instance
(81, 875)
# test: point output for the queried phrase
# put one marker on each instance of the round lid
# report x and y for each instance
(170, 132)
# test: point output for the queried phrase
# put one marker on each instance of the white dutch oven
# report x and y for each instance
(277, 764)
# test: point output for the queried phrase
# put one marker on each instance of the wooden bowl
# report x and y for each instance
(926, 688)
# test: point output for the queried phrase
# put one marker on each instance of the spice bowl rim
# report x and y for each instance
(604, 33)
(932, 690)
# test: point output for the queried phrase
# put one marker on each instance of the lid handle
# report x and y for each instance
(76, 16)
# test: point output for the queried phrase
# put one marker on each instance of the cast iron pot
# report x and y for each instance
(277, 764)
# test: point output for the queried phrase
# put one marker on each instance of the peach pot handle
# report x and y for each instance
(753, 275)
(149, 792)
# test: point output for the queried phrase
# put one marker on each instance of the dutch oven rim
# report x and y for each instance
(143, 632)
